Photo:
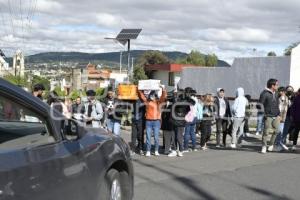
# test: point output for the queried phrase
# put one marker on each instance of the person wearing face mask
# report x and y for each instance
(93, 110)
(153, 117)
(288, 125)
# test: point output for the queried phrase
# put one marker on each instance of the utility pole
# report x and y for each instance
(121, 52)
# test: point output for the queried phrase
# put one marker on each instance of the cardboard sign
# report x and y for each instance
(149, 84)
(127, 92)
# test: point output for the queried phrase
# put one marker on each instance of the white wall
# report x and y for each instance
(295, 68)
(163, 76)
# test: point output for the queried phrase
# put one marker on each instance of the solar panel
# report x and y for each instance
(2, 54)
(128, 34)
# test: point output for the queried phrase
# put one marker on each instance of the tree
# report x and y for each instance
(271, 53)
(74, 94)
(138, 74)
(148, 58)
(194, 58)
(151, 58)
(59, 92)
(288, 50)
(16, 80)
(41, 80)
(211, 60)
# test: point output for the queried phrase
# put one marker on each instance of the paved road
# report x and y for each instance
(219, 174)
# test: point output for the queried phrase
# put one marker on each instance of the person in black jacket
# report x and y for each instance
(168, 130)
(270, 102)
(180, 108)
(138, 127)
(223, 116)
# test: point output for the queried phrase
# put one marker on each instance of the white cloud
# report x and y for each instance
(226, 27)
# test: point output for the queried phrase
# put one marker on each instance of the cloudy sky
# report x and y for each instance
(228, 28)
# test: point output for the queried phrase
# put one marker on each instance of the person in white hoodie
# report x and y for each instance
(239, 113)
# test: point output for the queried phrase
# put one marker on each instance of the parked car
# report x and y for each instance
(44, 156)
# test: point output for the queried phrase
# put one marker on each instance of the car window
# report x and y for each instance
(20, 127)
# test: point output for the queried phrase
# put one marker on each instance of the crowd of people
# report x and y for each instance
(182, 115)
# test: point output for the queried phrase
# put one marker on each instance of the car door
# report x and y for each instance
(35, 163)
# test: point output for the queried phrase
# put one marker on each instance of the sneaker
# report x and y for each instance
(294, 148)
(141, 152)
(185, 151)
(233, 146)
(284, 147)
(148, 154)
(204, 148)
(195, 149)
(278, 148)
(270, 148)
(218, 146)
(156, 153)
(264, 149)
(132, 153)
(172, 154)
(257, 133)
(179, 154)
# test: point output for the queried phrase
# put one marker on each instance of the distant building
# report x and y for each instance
(97, 78)
(18, 64)
(250, 73)
(169, 74)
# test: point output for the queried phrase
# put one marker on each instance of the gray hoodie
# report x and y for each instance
(240, 103)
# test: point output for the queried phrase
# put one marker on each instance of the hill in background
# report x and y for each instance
(112, 58)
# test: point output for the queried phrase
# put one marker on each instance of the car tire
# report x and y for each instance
(111, 186)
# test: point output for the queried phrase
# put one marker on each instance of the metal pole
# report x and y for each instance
(128, 57)
(131, 70)
(121, 62)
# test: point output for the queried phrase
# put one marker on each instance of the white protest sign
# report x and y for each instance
(149, 84)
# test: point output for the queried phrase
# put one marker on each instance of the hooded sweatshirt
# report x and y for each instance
(240, 103)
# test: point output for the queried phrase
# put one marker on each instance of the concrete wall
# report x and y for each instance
(250, 73)
(295, 68)
(163, 76)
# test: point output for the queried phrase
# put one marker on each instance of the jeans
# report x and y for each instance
(152, 125)
(221, 125)
(190, 133)
(114, 126)
(270, 123)
(238, 125)
(169, 137)
(260, 123)
(280, 133)
(179, 138)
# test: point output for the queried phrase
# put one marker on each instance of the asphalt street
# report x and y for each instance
(219, 174)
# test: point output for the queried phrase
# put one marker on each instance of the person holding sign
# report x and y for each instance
(153, 117)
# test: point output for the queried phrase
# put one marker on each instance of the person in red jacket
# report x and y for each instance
(153, 117)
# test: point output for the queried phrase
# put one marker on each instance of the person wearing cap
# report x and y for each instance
(153, 117)
(223, 116)
(93, 110)
(38, 90)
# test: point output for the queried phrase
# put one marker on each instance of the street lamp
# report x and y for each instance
(124, 38)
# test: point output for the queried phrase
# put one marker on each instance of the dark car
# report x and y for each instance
(45, 156)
